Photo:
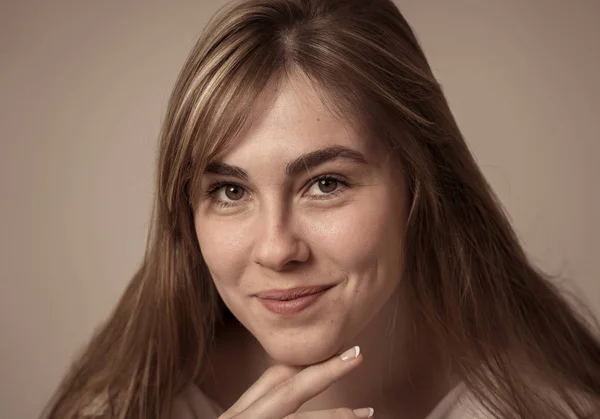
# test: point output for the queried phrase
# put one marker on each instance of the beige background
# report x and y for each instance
(83, 89)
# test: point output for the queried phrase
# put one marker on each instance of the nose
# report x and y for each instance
(279, 245)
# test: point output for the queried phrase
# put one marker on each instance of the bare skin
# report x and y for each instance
(405, 382)
(277, 227)
(281, 390)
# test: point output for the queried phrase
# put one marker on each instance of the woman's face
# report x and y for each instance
(302, 204)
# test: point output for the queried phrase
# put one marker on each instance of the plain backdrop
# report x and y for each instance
(84, 86)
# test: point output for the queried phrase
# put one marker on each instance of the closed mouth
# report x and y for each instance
(292, 293)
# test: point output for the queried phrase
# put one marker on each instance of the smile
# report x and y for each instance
(291, 301)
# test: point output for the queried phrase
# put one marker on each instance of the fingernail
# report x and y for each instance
(350, 354)
(367, 412)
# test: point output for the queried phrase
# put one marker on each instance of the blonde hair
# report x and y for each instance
(500, 320)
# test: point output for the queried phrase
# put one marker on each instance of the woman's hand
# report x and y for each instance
(281, 390)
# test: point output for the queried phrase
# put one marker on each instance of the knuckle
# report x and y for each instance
(287, 388)
(328, 370)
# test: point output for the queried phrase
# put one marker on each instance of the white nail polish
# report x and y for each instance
(350, 354)
(366, 412)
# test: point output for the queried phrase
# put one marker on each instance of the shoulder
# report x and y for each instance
(466, 406)
(461, 403)
(192, 403)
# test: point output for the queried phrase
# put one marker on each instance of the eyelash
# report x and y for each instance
(214, 188)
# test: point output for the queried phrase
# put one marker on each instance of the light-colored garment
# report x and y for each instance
(193, 404)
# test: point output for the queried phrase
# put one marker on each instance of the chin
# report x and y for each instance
(300, 351)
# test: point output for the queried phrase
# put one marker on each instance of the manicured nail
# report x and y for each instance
(367, 412)
(350, 354)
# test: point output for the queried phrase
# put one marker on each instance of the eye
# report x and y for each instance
(233, 192)
(226, 194)
(326, 186)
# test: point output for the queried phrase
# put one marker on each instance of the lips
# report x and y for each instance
(292, 294)
(291, 301)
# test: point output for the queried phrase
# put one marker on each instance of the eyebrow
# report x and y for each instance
(300, 164)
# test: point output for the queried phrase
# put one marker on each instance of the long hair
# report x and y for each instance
(506, 328)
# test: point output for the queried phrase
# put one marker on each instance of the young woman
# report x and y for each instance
(324, 246)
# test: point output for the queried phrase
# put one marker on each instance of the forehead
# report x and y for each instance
(292, 119)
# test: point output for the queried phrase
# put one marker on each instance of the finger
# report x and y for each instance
(270, 379)
(365, 412)
(287, 398)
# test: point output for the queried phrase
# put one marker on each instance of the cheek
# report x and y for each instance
(360, 235)
(224, 247)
